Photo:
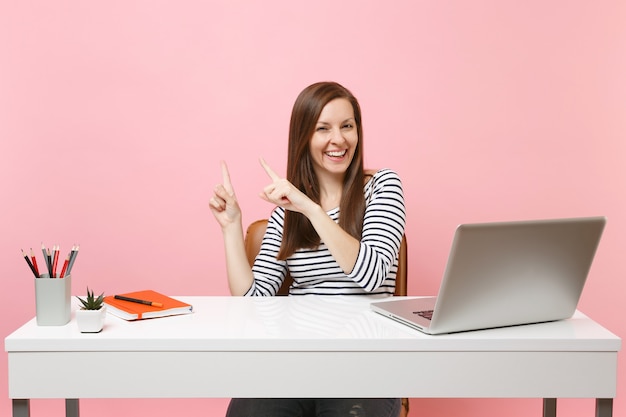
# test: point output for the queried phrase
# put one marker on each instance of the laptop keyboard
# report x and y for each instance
(427, 314)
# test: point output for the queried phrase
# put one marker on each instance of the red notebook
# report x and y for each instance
(129, 310)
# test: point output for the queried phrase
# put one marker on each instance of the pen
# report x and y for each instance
(30, 264)
(32, 257)
(136, 300)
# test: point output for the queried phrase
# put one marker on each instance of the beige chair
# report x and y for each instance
(254, 236)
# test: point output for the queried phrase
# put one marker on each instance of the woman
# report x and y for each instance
(336, 229)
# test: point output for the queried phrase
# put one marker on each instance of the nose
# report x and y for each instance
(336, 136)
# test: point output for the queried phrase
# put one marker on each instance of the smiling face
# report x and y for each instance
(334, 139)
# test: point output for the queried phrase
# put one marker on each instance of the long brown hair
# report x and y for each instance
(298, 230)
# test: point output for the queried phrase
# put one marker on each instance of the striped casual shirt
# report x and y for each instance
(315, 271)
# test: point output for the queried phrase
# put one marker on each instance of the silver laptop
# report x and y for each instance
(506, 274)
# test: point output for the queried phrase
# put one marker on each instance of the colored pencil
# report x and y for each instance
(64, 269)
(30, 264)
(46, 258)
(55, 260)
(32, 257)
(73, 256)
(49, 257)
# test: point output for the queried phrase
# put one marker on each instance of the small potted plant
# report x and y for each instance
(90, 316)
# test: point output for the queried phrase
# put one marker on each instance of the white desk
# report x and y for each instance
(308, 347)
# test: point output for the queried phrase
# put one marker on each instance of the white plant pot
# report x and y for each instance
(90, 321)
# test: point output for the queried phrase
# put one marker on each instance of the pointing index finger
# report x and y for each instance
(274, 176)
(226, 178)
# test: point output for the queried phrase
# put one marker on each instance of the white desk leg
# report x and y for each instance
(604, 407)
(71, 407)
(21, 407)
(549, 407)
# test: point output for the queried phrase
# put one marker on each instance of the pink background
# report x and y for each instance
(114, 116)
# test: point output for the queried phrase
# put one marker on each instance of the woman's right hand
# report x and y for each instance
(223, 204)
(226, 210)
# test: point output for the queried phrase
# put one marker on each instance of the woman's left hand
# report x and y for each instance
(283, 193)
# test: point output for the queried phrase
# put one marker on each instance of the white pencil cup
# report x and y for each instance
(53, 300)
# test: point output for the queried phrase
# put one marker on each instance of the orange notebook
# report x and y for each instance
(129, 310)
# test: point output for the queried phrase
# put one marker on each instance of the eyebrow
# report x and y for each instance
(349, 119)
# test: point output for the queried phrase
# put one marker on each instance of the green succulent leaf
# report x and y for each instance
(91, 302)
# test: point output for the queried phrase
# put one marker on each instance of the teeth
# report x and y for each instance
(336, 153)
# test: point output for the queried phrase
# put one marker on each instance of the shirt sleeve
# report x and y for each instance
(383, 228)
